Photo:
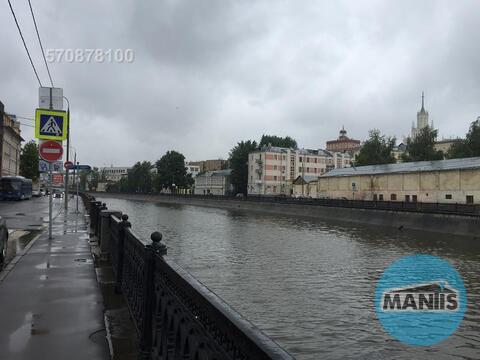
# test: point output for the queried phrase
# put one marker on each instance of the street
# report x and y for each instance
(25, 219)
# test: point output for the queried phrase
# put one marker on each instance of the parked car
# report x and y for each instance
(3, 242)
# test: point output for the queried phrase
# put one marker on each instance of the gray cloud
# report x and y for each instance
(208, 74)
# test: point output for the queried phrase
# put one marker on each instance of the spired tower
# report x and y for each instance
(422, 119)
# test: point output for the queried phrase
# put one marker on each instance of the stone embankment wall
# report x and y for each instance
(450, 224)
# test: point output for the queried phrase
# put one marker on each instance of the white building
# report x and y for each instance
(272, 170)
(213, 183)
(114, 173)
(194, 170)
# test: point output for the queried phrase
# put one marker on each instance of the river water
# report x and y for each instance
(307, 283)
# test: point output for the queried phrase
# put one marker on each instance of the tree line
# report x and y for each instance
(169, 172)
(378, 149)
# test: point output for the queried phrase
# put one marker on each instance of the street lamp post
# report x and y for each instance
(68, 153)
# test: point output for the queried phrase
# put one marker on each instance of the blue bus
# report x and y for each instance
(15, 188)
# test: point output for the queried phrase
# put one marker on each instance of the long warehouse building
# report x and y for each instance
(443, 181)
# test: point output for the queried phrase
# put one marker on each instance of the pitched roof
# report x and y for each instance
(418, 166)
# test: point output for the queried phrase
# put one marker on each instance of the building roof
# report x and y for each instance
(304, 179)
(408, 167)
(226, 172)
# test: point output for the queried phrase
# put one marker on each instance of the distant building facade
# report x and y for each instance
(445, 145)
(192, 169)
(344, 144)
(10, 144)
(443, 181)
(114, 173)
(272, 170)
(213, 183)
(209, 165)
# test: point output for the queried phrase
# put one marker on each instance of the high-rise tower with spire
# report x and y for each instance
(422, 119)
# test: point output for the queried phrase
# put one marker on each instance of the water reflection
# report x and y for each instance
(309, 284)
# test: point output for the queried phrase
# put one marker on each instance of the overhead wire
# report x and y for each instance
(24, 44)
(40, 42)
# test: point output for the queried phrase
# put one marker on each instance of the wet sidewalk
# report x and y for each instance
(50, 303)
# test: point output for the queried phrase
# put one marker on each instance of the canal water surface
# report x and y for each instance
(306, 283)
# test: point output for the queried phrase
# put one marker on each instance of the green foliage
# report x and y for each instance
(139, 178)
(171, 171)
(93, 179)
(29, 161)
(279, 141)
(239, 164)
(422, 146)
(469, 147)
(376, 150)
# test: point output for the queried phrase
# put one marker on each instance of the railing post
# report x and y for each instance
(120, 251)
(100, 208)
(146, 336)
(105, 231)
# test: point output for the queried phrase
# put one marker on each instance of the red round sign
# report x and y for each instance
(51, 150)
(68, 164)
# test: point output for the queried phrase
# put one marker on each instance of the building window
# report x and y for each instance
(274, 167)
(380, 197)
(393, 197)
(300, 159)
(469, 199)
(448, 196)
(407, 198)
(275, 178)
(414, 198)
(299, 169)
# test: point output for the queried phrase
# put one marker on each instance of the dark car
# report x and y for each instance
(3, 242)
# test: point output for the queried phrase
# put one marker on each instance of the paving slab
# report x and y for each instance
(51, 306)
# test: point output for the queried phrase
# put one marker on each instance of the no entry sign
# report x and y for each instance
(51, 150)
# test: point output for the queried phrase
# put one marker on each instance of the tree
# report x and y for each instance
(279, 141)
(139, 178)
(470, 146)
(376, 150)
(29, 161)
(93, 178)
(422, 146)
(239, 164)
(171, 171)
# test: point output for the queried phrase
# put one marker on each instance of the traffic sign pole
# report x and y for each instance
(50, 202)
(68, 154)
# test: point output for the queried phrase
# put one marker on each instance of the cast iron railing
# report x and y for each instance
(176, 316)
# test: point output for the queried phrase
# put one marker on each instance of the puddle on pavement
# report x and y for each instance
(19, 338)
(84, 260)
(45, 265)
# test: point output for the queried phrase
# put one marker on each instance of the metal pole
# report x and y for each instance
(68, 153)
(50, 202)
(76, 182)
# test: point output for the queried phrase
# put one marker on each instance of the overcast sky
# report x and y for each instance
(208, 74)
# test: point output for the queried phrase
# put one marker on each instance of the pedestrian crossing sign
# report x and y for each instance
(51, 124)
